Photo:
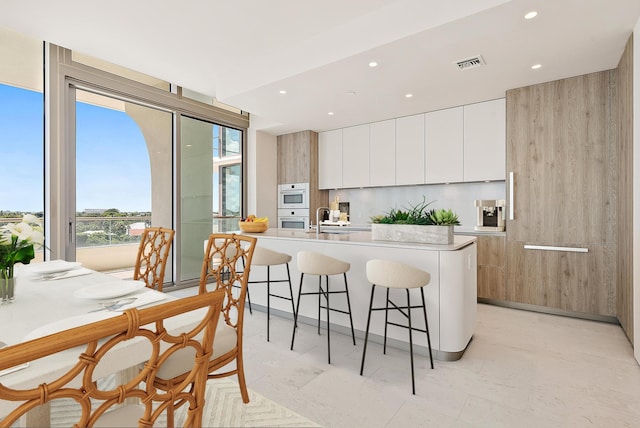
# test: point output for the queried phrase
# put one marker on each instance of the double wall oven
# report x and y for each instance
(293, 206)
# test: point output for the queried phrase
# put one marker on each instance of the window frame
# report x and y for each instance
(62, 76)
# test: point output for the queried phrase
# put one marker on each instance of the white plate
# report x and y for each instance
(53, 266)
(108, 290)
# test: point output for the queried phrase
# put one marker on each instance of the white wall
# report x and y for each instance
(365, 203)
(636, 191)
(262, 175)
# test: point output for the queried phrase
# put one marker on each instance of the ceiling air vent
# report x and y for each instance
(472, 62)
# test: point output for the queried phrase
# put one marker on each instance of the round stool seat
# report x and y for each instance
(319, 264)
(266, 257)
(392, 274)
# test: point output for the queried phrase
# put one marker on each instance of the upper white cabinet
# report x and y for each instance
(330, 159)
(410, 150)
(485, 141)
(355, 156)
(454, 145)
(443, 146)
(382, 153)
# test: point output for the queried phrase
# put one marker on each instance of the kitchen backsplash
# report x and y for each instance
(365, 203)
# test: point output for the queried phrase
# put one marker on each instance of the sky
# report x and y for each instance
(112, 161)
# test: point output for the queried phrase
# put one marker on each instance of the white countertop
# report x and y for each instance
(457, 230)
(360, 238)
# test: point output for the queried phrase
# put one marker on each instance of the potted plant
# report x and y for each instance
(417, 223)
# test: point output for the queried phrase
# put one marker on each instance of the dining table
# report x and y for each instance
(50, 298)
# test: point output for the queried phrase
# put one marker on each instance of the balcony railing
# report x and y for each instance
(110, 244)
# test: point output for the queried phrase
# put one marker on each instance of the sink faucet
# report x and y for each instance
(318, 218)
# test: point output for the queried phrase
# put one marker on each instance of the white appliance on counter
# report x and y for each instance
(490, 214)
(293, 206)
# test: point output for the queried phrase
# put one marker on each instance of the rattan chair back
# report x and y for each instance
(153, 253)
(101, 403)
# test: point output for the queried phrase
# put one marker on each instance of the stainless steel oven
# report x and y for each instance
(293, 196)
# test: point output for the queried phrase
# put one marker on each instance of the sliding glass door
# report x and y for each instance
(211, 187)
(123, 179)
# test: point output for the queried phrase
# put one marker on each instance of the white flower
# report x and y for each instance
(31, 219)
(28, 232)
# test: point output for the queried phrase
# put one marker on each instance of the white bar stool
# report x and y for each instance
(392, 274)
(312, 263)
(268, 258)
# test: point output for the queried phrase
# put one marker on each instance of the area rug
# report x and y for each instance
(223, 408)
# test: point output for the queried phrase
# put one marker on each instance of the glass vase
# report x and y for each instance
(7, 286)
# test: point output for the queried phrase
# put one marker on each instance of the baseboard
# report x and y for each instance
(550, 311)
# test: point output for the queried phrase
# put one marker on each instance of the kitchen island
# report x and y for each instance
(451, 294)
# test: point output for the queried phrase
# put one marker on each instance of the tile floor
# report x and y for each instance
(522, 369)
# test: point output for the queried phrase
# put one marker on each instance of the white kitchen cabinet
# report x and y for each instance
(410, 150)
(330, 159)
(355, 156)
(485, 141)
(444, 146)
(382, 153)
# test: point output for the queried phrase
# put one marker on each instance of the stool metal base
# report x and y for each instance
(406, 311)
(326, 294)
(269, 281)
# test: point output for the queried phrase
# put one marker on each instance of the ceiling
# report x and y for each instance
(245, 52)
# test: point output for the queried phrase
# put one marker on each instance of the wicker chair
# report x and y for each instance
(223, 269)
(153, 252)
(105, 406)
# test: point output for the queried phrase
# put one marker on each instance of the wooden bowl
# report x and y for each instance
(253, 226)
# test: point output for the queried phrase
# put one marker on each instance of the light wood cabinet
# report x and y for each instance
(295, 157)
(382, 153)
(491, 267)
(485, 141)
(298, 163)
(443, 146)
(564, 166)
(566, 280)
(410, 150)
(330, 159)
(355, 156)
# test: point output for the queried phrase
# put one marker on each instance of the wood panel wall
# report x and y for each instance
(623, 94)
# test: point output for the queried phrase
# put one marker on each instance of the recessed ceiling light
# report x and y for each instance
(531, 15)
(536, 66)
(408, 95)
(282, 91)
(330, 113)
(373, 64)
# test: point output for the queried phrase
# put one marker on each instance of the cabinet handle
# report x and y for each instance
(511, 181)
(550, 248)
